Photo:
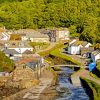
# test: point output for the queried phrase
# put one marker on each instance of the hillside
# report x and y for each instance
(82, 17)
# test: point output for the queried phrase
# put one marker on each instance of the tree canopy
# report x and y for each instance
(5, 63)
(82, 17)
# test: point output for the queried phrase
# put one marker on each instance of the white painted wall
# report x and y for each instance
(74, 49)
(63, 35)
(24, 38)
(21, 50)
(5, 36)
(95, 57)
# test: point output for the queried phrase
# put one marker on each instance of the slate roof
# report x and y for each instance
(32, 65)
(11, 51)
(27, 52)
(18, 44)
(36, 35)
(77, 43)
(96, 52)
(84, 43)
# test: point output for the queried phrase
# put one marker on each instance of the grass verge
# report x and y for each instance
(94, 87)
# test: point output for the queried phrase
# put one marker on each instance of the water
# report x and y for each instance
(66, 90)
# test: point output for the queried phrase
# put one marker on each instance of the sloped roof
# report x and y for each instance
(27, 52)
(77, 43)
(26, 60)
(84, 43)
(11, 51)
(37, 35)
(96, 52)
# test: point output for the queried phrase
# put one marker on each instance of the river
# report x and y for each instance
(64, 90)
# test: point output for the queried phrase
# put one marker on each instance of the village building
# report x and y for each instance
(20, 47)
(74, 48)
(37, 37)
(56, 34)
(86, 49)
(12, 54)
(63, 34)
(27, 53)
(95, 55)
(32, 61)
(32, 35)
(4, 34)
(85, 44)
(79, 47)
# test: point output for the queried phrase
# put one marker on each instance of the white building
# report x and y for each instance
(5, 36)
(63, 34)
(74, 49)
(35, 37)
(95, 55)
(20, 47)
(12, 54)
(85, 44)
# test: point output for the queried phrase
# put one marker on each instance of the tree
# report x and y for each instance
(5, 63)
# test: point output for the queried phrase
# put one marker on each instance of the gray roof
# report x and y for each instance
(84, 43)
(74, 44)
(21, 44)
(37, 35)
(32, 65)
(96, 52)
(10, 51)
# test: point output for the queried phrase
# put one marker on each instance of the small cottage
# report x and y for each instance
(35, 37)
(95, 55)
(12, 54)
(20, 47)
(74, 48)
(63, 34)
(85, 44)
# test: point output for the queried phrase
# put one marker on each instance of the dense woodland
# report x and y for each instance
(82, 17)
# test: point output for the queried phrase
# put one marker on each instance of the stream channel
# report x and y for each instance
(65, 90)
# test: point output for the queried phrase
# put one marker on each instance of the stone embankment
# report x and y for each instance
(34, 92)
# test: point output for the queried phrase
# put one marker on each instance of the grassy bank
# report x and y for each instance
(47, 52)
(98, 66)
(56, 52)
(94, 87)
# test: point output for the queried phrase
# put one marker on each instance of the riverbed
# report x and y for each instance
(64, 90)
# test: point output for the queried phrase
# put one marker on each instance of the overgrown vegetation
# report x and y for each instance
(5, 63)
(82, 17)
(95, 88)
(98, 66)
(39, 45)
